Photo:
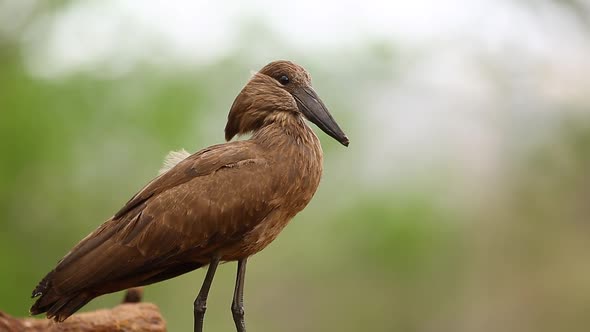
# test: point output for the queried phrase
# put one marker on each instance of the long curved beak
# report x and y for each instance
(315, 111)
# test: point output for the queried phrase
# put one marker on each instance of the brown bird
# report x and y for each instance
(224, 203)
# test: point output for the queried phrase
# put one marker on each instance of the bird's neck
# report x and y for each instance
(289, 131)
(296, 154)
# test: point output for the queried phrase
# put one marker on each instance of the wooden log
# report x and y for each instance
(126, 317)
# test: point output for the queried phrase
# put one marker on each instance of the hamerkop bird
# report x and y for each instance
(223, 203)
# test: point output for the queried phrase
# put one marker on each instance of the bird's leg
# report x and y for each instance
(237, 306)
(200, 304)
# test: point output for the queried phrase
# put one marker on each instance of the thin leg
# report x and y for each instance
(237, 306)
(200, 304)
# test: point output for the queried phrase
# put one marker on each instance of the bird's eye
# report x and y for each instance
(284, 80)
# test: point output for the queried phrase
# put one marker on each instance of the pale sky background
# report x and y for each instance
(445, 106)
(201, 31)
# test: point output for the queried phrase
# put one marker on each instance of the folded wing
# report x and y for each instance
(173, 225)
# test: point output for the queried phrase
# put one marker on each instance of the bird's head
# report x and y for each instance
(279, 89)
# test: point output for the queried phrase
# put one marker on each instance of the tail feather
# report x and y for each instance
(45, 300)
(60, 304)
(54, 310)
(68, 306)
(58, 307)
(43, 285)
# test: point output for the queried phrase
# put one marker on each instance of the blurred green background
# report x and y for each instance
(462, 203)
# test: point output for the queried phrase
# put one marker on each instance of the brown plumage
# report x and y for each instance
(223, 203)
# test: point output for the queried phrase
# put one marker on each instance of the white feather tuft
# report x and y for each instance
(172, 159)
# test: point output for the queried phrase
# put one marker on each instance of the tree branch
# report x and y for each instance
(145, 317)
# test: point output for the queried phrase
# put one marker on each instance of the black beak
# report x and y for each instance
(315, 111)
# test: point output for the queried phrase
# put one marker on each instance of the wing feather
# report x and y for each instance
(209, 199)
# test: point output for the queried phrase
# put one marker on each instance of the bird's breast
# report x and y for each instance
(296, 171)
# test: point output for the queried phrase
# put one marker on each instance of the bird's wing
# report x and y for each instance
(201, 163)
(209, 199)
